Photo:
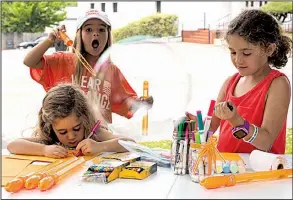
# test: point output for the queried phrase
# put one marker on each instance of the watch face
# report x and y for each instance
(240, 134)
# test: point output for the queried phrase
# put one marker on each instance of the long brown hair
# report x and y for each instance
(59, 102)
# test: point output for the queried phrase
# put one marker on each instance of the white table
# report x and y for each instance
(162, 185)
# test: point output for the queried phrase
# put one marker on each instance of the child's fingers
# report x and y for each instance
(58, 154)
(63, 28)
(150, 100)
(85, 150)
(80, 145)
(62, 150)
(190, 116)
(223, 108)
(56, 33)
(230, 105)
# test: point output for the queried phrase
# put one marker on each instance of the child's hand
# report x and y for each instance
(222, 110)
(190, 116)
(54, 35)
(55, 151)
(149, 101)
(89, 146)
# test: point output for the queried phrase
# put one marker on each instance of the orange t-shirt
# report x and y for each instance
(114, 92)
(251, 107)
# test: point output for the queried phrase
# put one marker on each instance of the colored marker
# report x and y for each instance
(180, 161)
(185, 150)
(177, 152)
(208, 120)
(200, 125)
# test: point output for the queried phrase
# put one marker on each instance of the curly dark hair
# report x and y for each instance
(260, 28)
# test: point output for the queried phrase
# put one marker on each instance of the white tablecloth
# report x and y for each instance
(163, 184)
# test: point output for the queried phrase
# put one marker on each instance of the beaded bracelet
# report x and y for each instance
(255, 133)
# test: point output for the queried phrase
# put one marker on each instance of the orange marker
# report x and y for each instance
(145, 117)
(213, 182)
(68, 42)
(49, 181)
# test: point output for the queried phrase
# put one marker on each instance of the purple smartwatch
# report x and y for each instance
(240, 132)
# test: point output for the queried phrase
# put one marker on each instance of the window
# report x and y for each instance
(92, 5)
(246, 4)
(260, 3)
(251, 3)
(115, 7)
(103, 7)
(158, 6)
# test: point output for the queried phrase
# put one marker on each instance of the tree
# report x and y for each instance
(278, 9)
(31, 16)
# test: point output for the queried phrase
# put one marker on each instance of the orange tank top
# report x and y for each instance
(250, 106)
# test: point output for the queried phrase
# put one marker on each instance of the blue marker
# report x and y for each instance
(200, 126)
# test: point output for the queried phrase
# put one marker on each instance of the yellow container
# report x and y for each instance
(138, 170)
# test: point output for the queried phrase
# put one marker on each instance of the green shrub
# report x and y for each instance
(158, 25)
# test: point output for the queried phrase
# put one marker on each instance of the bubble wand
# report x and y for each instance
(83, 61)
(33, 181)
(18, 183)
(213, 182)
(145, 117)
(49, 181)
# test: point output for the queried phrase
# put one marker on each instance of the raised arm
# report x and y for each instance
(34, 58)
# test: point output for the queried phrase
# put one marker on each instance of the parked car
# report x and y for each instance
(31, 44)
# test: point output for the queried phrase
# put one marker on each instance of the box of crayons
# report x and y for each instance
(138, 170)
(104, 171)
(124, 157)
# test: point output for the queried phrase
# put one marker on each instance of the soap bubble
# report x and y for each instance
(169, 84)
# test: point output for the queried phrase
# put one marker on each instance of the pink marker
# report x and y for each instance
(208, 119)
